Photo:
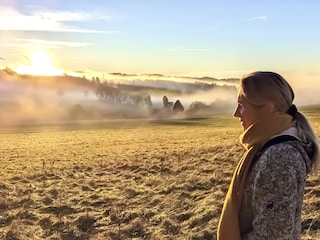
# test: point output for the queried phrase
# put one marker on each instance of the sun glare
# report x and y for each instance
(40, 64)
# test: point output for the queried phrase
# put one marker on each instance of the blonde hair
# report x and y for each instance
(262, 87)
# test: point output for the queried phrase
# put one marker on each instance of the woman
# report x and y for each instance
(266, 192)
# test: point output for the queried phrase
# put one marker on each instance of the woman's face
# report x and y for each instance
(246, 112)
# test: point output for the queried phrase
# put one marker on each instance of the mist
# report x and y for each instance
(306, 87)
(34, 99)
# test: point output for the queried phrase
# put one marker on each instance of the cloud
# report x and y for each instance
(258, 18)
(27, 43)
(189, 49)
(43, 20)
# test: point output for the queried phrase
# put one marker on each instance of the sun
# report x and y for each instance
(39, 64)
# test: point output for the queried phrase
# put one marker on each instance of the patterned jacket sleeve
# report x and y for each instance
(277, 193)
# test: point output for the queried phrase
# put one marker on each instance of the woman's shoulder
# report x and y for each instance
(286, 154)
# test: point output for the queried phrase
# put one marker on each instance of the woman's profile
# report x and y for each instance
(265, 195)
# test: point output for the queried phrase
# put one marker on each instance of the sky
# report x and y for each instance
(212, 38)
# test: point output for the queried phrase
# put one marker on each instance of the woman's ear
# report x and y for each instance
(270, 107)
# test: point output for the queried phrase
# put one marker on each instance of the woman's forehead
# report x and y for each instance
(243, 100)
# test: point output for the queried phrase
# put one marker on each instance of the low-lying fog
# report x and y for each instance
(31, 100)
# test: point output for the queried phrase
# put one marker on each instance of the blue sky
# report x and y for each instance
(170, 37)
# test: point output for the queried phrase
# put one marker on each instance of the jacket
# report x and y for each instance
(273, 196)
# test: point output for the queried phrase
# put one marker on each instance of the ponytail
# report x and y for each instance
(307, 134)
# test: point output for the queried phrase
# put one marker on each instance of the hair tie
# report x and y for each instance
(292, 110)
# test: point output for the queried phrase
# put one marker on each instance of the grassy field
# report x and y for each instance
(124, 179)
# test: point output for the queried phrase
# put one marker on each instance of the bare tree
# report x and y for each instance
(177, 107)
(166, 103)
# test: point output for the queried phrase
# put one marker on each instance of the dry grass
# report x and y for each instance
(124, 180)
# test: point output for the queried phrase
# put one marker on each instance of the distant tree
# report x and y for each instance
(99, 92)
(166, 103)
(147, 100)
(136, 100)
(108, 93)
(177, 107)
(197, 106)
(165, 100)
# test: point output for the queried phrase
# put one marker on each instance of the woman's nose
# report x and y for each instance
(236, 112)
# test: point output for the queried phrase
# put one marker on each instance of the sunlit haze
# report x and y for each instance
(40, 64)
